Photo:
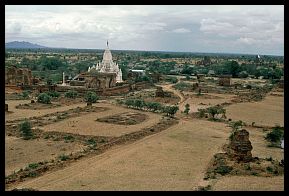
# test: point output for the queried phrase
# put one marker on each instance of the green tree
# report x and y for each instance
(44, 98)
(91, 97)
(187, 109)
(170, 110)
(25, 130)
(275, 135)
(233, 68)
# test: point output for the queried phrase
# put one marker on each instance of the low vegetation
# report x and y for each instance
(25, 130)
(150, 106)
(213, 112)
(71, 94)
(44, 98)
(91, 97)
(275, 136)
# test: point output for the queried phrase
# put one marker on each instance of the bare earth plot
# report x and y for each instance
(249, 183)
(260, 148)
(19, 153)
(87, 124)
(26, 113)
(267, 112)
(203, 102)
(175, 159)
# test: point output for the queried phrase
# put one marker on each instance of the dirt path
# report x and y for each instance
(169, 87)
(174, 159)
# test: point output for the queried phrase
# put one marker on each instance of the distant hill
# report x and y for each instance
(17, 44)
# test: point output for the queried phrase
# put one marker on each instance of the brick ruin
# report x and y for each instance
(160, 92)
(240, 146)
(201, 77)
(95, 80)
(225, 80)
(18, 76)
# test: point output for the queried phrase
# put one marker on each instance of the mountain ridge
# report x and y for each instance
(22, 44)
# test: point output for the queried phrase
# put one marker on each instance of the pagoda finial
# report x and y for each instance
(107, 43)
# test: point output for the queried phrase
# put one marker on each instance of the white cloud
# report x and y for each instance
(181, 30)
(138, 26)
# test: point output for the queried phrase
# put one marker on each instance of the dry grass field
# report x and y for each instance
(173, 159)
(267, 112)
(19, 153)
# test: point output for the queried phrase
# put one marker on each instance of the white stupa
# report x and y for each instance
(107, 65)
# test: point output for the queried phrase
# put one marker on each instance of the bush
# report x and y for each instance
(25, 129)
(33, 165)
(44, 98)
(53, 94)
(91, 142)
(237, 125)
(170, 110)
(223, 169)
(63, 157)
(201, 113)
(275, 135)
(25, 94)
(187, 108)
(171, 79)
(91, 97)
(71, 94)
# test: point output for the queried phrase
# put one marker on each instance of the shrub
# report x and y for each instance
(25, 94)
(91, 142)
(223, 169)
(201, 113)
(237, 125)
(68, 138)
(71, 94)
(171, 79)
(44, 98)
(33, 165)
(91, 97)
(187, 108)
(53, 93)
(170, 110)
(25, 129)
(63, 157)
(275, 135)
(269, 169)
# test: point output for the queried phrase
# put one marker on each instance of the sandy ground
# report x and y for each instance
(19, 153)
(26, 113)
(174, 159)
(260, 148)
(200, 102)
(267, 112)
(86, 124)
(249, 183)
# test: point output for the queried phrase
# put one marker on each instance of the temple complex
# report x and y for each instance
(107, 65)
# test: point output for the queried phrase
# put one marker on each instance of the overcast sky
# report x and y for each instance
(191, 28)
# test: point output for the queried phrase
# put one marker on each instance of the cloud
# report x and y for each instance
(181, 30)
(150, 27)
